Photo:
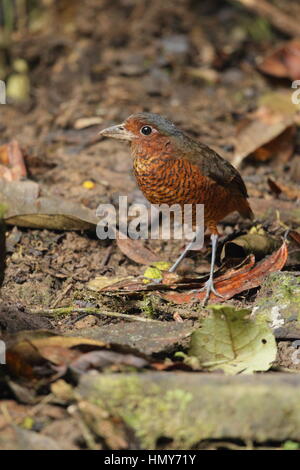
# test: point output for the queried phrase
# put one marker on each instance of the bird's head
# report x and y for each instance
(143, 128)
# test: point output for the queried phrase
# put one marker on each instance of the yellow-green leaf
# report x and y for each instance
(229, 340)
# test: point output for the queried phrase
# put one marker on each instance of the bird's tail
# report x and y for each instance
(245, 209)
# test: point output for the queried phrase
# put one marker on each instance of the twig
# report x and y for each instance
(106, 257)
(274, 15)
(85, 431)
(61, 295)
(53, 312)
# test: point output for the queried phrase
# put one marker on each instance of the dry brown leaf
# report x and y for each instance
(283, 61)
(295, 236)
(136, 251)
(12, 166)
(279, 149)
(30, 350)
(291, 192)
(254, 242)
(241, 268)
(26, 207)
(274, 187)
(170, 280)
(269, 131)
(237, 283)
(104, 283)
(101, 359)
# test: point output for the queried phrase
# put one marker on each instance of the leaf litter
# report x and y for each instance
(233, 282)
(48, 270)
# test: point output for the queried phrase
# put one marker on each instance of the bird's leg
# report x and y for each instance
(182, 256)
(178, 261)
(209, 285)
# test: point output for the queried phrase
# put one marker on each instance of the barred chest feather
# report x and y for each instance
(167, 180)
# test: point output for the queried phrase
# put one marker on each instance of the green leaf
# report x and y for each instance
(162, 265)
(151, 273)
(229, 340)
(290, 445)
(154, 271)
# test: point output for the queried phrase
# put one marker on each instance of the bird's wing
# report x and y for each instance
(217, 168)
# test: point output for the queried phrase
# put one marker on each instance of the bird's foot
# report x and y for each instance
(209, 288)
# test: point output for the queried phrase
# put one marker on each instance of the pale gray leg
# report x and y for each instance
(209, 285)
(178, 261)
(182, 256)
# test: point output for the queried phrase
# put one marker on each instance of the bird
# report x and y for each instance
(173, 168)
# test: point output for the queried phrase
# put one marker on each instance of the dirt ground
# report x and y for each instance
(100, 61)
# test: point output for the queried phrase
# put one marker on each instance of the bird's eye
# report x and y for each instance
(146, 130)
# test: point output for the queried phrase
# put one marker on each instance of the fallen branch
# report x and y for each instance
(196, 407)
(53, 312)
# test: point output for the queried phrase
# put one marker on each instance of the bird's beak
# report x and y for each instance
(117, 132)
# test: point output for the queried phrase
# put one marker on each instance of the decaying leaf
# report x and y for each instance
(130, 285)
(292, 191)
(12, 166)
(30, 349)
(269, 131)
(230, 341)
(237, 282)
(101, 359)
(283, 61)
(24, 206)
(295, 236)
(278, 150)
(245, 266)
(253, 242)
(136, 251)
(233, 281)
(104, 282)
(41, 354)
(274, 187)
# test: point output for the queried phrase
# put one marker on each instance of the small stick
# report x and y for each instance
(274, 15)
(106, 256)
(61, 295)
(53, 312)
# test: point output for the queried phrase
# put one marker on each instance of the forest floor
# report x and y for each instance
(90, 66)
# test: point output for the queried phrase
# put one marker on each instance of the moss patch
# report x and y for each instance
(279, 301)
(187, 408)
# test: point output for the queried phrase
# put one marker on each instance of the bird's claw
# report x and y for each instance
(209, 288)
